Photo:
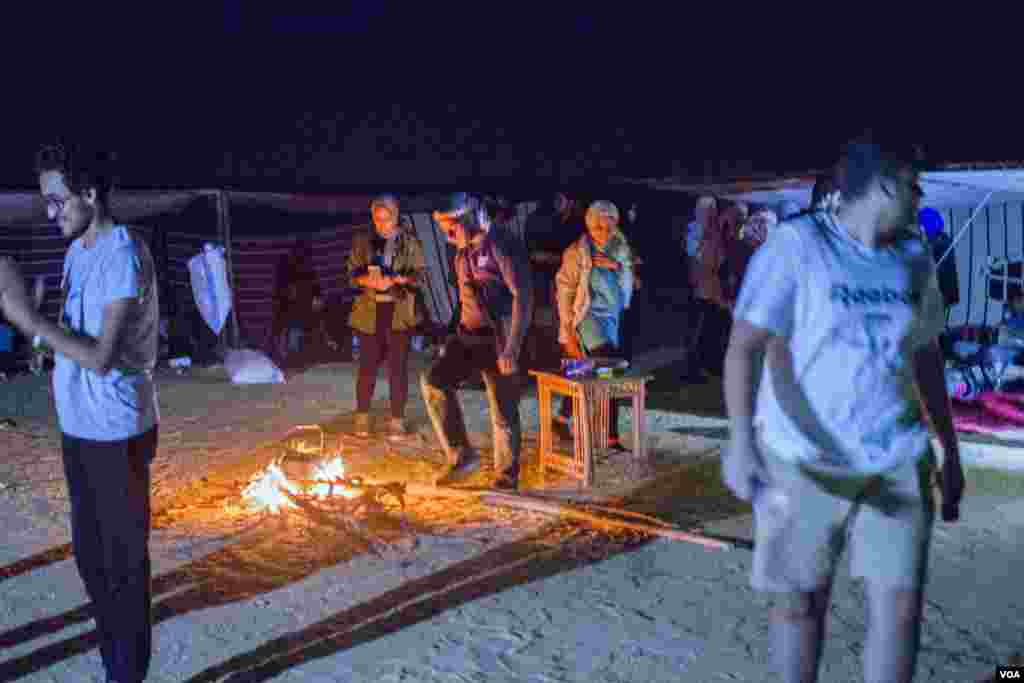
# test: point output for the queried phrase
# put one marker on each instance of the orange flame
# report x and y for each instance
(266, 488)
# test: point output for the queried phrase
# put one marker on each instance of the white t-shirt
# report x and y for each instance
(851, 318)
(122, 403)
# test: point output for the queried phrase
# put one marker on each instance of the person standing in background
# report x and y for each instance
(549, 231)
(704, 219)
(594, 290)
(388, 264)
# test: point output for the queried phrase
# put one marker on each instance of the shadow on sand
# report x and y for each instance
(546, 554)
(38, 561)
(270, 557)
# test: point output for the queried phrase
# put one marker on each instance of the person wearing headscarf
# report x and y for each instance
(710, 279)
(753, 234)
(388, 265)
(714, 252)
(705, 219)
(705, 214)
(594, 287)
(756, 229)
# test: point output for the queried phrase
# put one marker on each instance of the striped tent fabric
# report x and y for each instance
(264, 227)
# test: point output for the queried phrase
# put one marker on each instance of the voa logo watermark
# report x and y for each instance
(1010, 673)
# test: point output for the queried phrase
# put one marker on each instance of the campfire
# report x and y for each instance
(270, 488)
(302, 471)
(304, 478)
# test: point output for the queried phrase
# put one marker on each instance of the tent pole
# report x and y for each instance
(224, 221)
(964, 227)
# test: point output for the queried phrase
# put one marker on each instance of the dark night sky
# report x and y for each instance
(330, 95)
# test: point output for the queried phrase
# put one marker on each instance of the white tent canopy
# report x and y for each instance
(944, 189)
(982, 205)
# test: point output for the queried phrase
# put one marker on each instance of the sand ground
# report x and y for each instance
(472, 594)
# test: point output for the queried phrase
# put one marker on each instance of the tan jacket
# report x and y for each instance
(572, 282)
(408, 260)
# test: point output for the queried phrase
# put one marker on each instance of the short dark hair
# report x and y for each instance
(82, 168)
(824, 185)
(871, 156)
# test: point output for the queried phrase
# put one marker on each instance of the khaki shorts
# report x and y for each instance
(804, 519)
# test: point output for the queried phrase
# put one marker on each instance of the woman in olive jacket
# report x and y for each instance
(387, 264)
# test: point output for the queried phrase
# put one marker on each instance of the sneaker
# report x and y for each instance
(467, 464)
(361, 424)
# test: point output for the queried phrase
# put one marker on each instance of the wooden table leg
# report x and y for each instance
(544, 409)
(582, 436)
(602, 425)
(642, 466)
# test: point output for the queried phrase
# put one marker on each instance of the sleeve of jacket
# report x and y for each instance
(627, 277)
(453, 277)
(518, 276)
(419, 261)
(567, 281)
(358, 258)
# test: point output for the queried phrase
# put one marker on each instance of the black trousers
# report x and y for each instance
(708, 337)
(108, 485)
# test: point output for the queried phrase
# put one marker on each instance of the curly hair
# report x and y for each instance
(82, 168)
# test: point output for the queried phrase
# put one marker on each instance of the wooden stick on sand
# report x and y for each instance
(534, 505)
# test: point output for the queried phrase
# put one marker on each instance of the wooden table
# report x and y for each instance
(591, 403)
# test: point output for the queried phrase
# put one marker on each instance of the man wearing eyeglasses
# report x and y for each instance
(495, 287)
(104, 355)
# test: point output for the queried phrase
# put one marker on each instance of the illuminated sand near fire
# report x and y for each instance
(476, 594)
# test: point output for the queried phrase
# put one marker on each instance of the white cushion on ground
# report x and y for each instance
(246, 366)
